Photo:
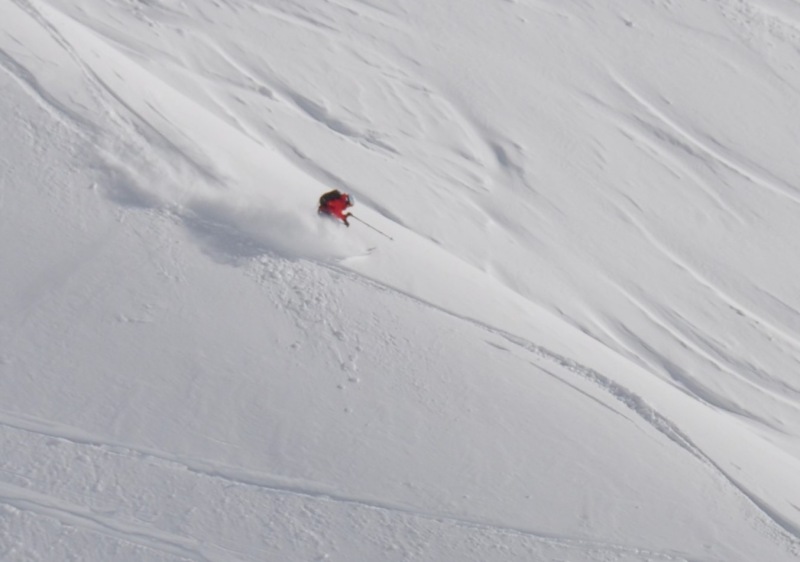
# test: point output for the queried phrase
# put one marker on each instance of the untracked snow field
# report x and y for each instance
(567, 329)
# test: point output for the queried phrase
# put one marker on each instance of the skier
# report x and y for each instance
(334, 203)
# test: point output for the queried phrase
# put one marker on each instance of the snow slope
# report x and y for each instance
(581, 343)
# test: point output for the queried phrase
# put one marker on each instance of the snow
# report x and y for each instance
(580, 343)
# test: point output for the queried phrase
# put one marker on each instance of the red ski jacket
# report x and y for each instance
(337, 206)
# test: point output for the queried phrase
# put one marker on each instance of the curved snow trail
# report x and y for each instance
(221, 197)
(662, 424)
(132, 529)
(682, 406)
(83, 518)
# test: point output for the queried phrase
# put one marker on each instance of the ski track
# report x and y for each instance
(663, 425)
(633, 402)
(630, 400)
(83, 518)
(46, 505)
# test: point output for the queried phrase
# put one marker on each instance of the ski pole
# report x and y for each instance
(352, 216)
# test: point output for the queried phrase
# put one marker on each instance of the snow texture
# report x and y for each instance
(581, 343)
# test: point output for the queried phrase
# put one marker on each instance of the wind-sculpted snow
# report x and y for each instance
(564, 325)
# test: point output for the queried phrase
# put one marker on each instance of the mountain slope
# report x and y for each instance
(580, 343)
